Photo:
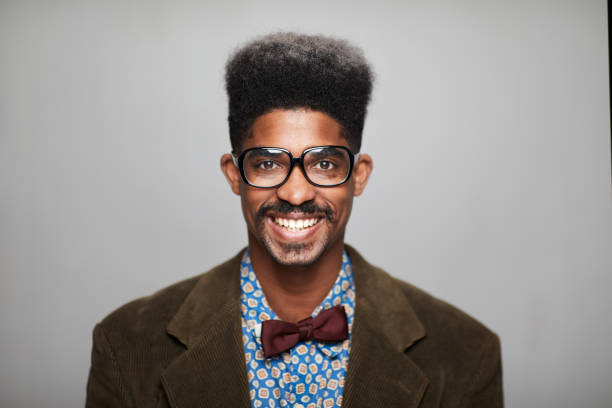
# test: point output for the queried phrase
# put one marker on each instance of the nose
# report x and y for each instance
(296, 190)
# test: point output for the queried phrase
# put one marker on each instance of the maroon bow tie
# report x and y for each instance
(329, 325)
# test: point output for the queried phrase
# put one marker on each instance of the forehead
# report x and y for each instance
(295, 130)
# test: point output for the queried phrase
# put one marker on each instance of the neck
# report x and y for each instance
(293, 292)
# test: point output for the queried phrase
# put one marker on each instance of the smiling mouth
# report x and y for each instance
(295, 225)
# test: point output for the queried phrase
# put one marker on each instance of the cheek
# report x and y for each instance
(252, 200)
(346, 209)
(341, 202)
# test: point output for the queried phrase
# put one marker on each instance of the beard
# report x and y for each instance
(295, 254)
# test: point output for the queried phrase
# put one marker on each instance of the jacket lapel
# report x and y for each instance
(379, 373)
(212, 371)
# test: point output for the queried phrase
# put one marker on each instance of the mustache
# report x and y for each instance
(283, 207)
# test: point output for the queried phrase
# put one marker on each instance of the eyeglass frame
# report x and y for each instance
(239, 162)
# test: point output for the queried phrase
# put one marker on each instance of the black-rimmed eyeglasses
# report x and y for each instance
(270, 167)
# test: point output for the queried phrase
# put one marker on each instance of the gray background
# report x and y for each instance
(489, 129)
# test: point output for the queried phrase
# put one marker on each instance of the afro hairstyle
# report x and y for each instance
(292, 71)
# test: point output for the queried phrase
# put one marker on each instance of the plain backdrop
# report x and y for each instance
(489, 129)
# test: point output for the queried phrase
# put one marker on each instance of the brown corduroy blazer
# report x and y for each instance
(182, 347)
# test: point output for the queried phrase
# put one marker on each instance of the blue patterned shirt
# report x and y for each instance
(309, 375)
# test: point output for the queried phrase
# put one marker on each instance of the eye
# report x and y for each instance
(267, 165)
(324, 165)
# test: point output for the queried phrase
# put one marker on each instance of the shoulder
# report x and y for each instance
(448, 329)
(459, 355)
(134, 344)
(131, 349)
(439, 318)
(145, 319)
(442, 319)
(148, 314)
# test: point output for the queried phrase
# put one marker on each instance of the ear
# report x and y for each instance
(231, 172)
(361, 173)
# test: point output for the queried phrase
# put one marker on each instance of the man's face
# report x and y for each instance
(317, 215)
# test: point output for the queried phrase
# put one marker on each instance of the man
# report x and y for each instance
(298, 318)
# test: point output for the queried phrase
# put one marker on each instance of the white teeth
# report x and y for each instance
(295, 225)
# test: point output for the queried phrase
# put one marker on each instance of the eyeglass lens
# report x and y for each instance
(267, 167)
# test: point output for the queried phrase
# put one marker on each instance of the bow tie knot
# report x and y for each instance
(305, 328)
(328, 326)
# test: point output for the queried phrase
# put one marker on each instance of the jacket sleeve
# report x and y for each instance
(106, 386)
(486, 389)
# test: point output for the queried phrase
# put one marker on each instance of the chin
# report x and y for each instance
(295, 254)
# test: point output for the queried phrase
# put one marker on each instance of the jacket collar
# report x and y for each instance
(212, 371)
(380, 374)
(214, 300)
